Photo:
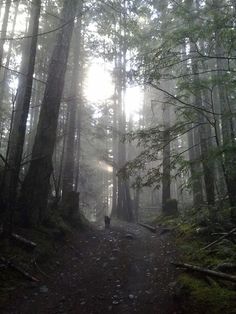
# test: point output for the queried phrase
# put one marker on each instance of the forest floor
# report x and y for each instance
(125, 269)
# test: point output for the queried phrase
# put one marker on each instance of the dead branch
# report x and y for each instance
(150, 228)
(5, 161)
(40, 270)
(226, 267)
(10, 264)
(23, 241)
(219, 239)
(206, 271)
(222, 233)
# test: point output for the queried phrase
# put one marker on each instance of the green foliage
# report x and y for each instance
(205, 298)
(189, 41)
(200, 294)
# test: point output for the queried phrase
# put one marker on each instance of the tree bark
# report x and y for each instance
(166, 164)
(124, 204)
(68, 186)
(228, 135)
(17, 136)
(204, 134)
(36, 186)
(194, 156)
(4, 28)
(114, 152)
(5, 71)
(194, 169)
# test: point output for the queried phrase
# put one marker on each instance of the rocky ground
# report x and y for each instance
(125, 269)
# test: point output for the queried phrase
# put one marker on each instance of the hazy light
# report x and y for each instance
(99, 87)
(98, 84)
(105, 166)
(134, 101)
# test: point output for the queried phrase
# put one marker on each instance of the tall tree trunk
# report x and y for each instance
(114, 152)
(36, 186)
(204, 130)
(166, 169)
(124, 206)
(4, 28)
(124, 203)
(17, 136)
(166, 158)
(59, 157)
(228, 135)
(79, 116)
(195, 167)
(136, 203)
(114, 148)
(78, 139)
(194, 152)
(3, 85)
(68, 188)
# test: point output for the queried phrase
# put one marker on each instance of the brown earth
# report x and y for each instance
(122, 270)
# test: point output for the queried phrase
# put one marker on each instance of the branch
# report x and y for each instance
(150, 228)
(23, 241)
(4, 160)
(206, 271)
(10, 264)
(21, 73)
(181, 101)
(219, 239)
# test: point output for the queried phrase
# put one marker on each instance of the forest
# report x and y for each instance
(118, 156)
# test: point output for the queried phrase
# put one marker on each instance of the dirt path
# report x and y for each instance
(122, 270)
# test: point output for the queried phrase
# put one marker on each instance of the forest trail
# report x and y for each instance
(125, 269)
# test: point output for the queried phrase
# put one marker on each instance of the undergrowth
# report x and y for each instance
(49, 238)
(193, 231)
(203, 298)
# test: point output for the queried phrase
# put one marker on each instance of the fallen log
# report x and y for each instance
(206, 271)
(23, 241)
(219, 239)
(222, 233)
(17, 268)
(150, 228)
(226, 267)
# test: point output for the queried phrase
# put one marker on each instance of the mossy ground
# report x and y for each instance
(203, 298)
(199, 293)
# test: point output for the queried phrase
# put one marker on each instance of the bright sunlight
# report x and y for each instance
(99, 87)
(98, 84)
